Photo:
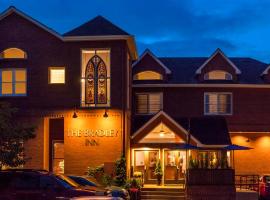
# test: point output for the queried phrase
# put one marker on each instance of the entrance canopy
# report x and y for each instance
(164, 130)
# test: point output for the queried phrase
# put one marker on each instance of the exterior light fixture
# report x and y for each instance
(248, 140)
(74, 114)
(105, 115)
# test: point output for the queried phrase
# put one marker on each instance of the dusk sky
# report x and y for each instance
(169, 27)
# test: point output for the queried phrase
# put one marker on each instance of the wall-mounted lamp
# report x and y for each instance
(74, 114)
(247, 140)
(105, 115)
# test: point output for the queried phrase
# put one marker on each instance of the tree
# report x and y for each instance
(12, 136)
(120, 172)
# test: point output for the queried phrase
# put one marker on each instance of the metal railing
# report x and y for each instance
(247, 182)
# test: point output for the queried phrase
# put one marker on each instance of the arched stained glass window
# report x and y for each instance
(96, 81)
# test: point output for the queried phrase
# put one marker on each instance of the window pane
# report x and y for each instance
(6, 88)
(57, 75)
(218, 103)
(141, 103)
(148, 75)
(20, 88)
(154, 103)
(13, 53)
(20, 75)
(7, 76)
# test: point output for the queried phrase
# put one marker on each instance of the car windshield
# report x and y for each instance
(82, 181)
(66, 182)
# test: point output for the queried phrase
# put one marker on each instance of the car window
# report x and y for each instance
(63, 183)
(46, 182)
(82, 181)
(25, 181)
(267, 179)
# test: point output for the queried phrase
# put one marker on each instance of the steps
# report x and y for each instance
(162, 194)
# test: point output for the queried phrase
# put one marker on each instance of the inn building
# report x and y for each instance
(93, 99)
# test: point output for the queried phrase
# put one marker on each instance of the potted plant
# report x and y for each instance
(158, 172)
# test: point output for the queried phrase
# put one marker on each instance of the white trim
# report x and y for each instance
(169, 118)
(265, 71)
(147, 51)
(12, 9)
(217, 113)
(199, 70)
(205, 85)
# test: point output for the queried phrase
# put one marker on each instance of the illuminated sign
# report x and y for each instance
(91, 133)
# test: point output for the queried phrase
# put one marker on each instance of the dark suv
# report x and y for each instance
(37, 185)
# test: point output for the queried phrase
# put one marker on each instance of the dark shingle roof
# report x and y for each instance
(95, 27)
(209, 130)
(184, 69)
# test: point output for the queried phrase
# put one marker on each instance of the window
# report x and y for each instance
(95, 86)
(218, 75)
(13, 82)
(218, 103)
(148, 103)
(56, 75)
(13, 53)
(148, 75)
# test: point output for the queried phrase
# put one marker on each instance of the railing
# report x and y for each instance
(247, 182)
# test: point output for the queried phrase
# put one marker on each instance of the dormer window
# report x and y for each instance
(218, 75)
(148, 75)
(13, 53)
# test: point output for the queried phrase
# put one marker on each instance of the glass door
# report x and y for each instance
(175, 166)
(145, 163)
(58, 156)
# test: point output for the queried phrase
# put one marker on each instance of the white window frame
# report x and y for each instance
(218, 93)
(13, 82)
(149, 93)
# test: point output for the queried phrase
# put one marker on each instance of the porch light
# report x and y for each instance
(105, 115)
(74, 113)
(161, 133)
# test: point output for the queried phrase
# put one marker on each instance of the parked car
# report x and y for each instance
(37, 185)
(89, 183)
(264, 187)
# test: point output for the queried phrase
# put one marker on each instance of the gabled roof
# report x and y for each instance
(12, 10)
(148, 52)
(159, 116)
(96, 27)
(218, 51)
(208, 130)
(183, 69)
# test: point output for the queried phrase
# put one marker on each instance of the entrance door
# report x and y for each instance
(58, 156)
(145, 162)
(175, 166)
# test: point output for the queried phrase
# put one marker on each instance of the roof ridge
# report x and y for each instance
(86, 26)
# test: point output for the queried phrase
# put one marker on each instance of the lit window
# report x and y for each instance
(218, 75)
(56, 75)
(148, 75)
(148, 103)
(218, 103)
(95, 86)
(13, 82)
(13, 53)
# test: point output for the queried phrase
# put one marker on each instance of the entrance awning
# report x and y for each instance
(237, 147)
(185, 146)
